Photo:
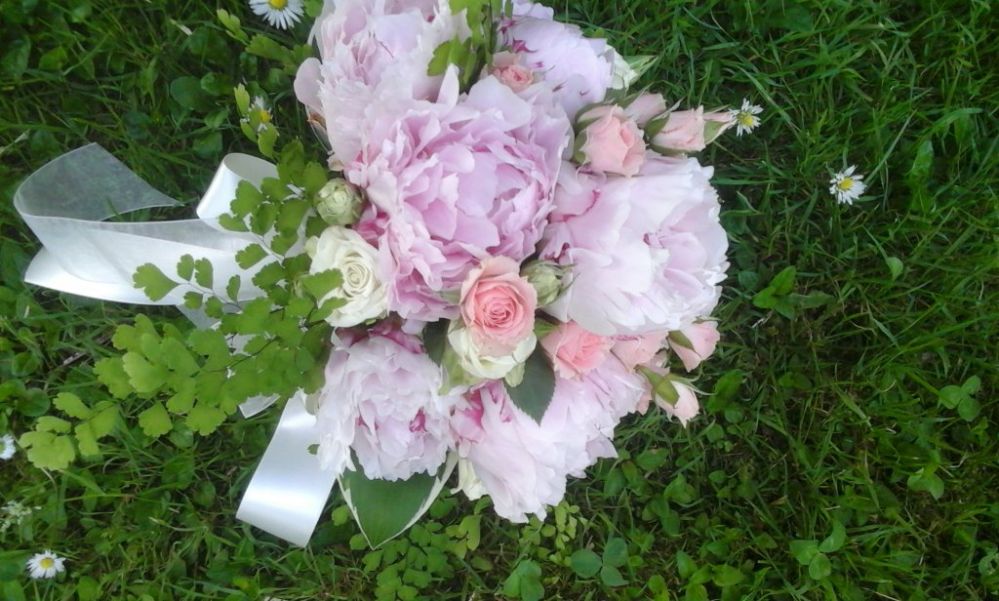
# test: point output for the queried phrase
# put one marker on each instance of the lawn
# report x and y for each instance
(847, 447)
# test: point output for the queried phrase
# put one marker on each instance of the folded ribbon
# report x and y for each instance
(66, 204)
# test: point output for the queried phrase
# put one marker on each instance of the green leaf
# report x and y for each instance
(47, 450)
(435, 339)
(725, 575)
(685, 565)
(111, 373)
(585, 563)
(834, 542)
(204, 419)
(185, 267)
(385, 509)
(232, 288)
(611, 576)
(103, 422)
(71, 405)
(895, 267)
(155, 421)
(153, 282)
(250, 256)
(248, 198)
(204, 273)
(615, 552)
(86, 440)
(804, 550)
(50, 423)
(320, 284)
(143, 375)
(968, 409)
(193, 300)
(525, 582)
(926, 480)
(820, 568)
(534, 393)
(188, 93)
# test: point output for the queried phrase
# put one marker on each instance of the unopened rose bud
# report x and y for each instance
(339, 203)
(546, 278)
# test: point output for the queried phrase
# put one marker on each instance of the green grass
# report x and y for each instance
(837, 422)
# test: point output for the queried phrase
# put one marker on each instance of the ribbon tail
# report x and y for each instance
(289, 489)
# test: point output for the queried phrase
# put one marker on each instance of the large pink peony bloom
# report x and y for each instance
(382, 400)
(455, 182)
(579, 69)
(524, 466)
(365, 45)
(647, 252)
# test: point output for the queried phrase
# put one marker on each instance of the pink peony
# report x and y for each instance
(633, 351)
(574, 351)
(507, 68)
(696, 345)
(578, 68)
(524, 466)
(366, 45)
(612, 142)
(455, 182)
(497, 306)
(647, 252)
(381, 399)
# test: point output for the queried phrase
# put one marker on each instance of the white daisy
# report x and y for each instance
(45, 565)
(847, 185)
(745, 118)
(282, 14)
(7, 447)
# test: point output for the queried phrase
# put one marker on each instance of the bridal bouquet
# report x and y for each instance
(504, 252)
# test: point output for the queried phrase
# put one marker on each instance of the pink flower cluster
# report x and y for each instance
(529, 220)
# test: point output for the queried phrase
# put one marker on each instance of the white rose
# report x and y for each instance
(345, 250)
(483, 366)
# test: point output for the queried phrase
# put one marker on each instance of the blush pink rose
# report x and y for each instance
(702, 338)
(645, 108)
(574, 350)
(507, 68)
(686, 406)
(497, 306)
(633, 351)
(683, 131)
(613, 142)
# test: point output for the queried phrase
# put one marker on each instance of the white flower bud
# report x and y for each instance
(339, 203)
(546, 278)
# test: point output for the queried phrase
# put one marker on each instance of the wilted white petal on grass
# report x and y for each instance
(745, 117)
(7, 447)
(282, 14)
(45, 565)
(847, 185)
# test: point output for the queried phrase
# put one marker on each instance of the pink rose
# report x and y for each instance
(633, 351)
(645, 108)
(507, 69)
(612, 142)
(686, 406)
(683, 131)
(498, 306)
(695, 343)
(575, 351)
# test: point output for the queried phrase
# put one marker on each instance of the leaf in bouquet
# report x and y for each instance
(384, 509)
(155, 421)
(151, 280)
(291, 215)
(185, 267)
(248, 198)
(320, 284)
(435, 339)
(71, 405)
(204, 273)
(232, 287)
(535, 391)
(193, 300)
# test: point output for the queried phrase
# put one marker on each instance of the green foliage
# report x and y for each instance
(535, 391)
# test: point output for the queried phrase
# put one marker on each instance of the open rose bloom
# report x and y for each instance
(444, 351)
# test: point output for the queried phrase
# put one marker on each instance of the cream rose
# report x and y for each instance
(488, 367)
(344, 249)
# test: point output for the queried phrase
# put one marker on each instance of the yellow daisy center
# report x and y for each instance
(846, 184)
(278, 4)
(746, 119)
(46, 563)
(265, 115)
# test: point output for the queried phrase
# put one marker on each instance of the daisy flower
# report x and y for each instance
(260, 110)
(745, 118)
(282, 14)
(847, 185)
(45, 565)
(7, 448)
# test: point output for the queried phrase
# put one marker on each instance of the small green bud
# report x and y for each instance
(339, 203)
(546, 278)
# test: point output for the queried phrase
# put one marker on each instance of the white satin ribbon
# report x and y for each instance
(66, 204)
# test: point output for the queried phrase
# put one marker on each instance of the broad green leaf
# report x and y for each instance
(104, 419)
(205, 419)
(435, 339)
(615, 552)
(111, 373)
(86, 440)
(71, 405)
(153, 282)
(320, 284)
(804, 550)
(611, 576)
(250, 256)
(524, 582)
(820, 567)
(248, 198)
(144, 376)
(47, 450)
(725, 575)
(535, 391)
(384, 509)
(585, 563)
(834, 542)
(895, 267)
(155, 421)
(50, 423)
